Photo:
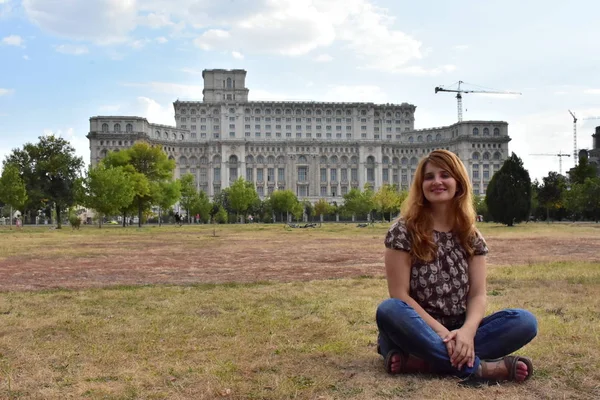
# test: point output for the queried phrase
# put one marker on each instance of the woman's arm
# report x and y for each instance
(477, 297)
(464, 351)
(397, 268)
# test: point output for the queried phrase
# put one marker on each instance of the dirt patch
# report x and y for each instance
(189, 257)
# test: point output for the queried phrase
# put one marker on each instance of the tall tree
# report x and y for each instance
(359, 203)
(321, 208)
(388, 200)
(146, 165)
(166, 195)
(201, 205)
(242, 196)
(582, 171)
(188, 193)
(12, 188)
(508, 195)
(283, 201)
(107, 190)
(550, 193)
(50, 170)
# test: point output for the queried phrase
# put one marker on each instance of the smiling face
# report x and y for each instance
(438, 185)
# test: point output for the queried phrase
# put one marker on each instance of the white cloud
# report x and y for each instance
(155, 20)
(191, 71)
(560, 93)
(26, 57)
(173, 89)
(79, 142)
(161, 40)
(549, 132)
(323, 58)
(100, 21)
(283, 27)
(355, 93)
(13, 40)
(4, 92)
(591, 91)
(142, 107)
(139, 43)
(237, 55)
(72, 49)
(421, 71)
(461, 47)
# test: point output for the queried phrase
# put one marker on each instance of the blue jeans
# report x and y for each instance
(401, 328)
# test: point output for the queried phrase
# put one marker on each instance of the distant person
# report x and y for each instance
(436, 273)
(177, 219)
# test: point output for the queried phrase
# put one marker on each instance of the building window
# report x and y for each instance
(333, 174)
(302, 191)
(323, 174)
(117, 128)
(344, 174)
(250, 174)
(217, 174)
(324, 191)
(354, 174)
(128, 128)
(386, 175)
(475, 131)
(260, 174)
(105, 128)
(280, 174)
(302, 174)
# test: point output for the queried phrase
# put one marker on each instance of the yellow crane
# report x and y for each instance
(560, 155)
(459, 91)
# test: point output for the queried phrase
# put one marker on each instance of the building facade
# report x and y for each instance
(316, 149)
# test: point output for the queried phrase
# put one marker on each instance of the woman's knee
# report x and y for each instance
(528, 324)
(392, 309)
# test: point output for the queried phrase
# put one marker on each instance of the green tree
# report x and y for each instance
(188, 193)
(298, 211)
(582, 171)
(322, 207)
(584, 199)
(12, 188)
(146, 165)
(242, 196)
(550, 193)
(201, 205)
(388, 200)
(107, 190)
(358, 203)
(283, 201)
(508, 195)
(166, 195)
(309, 209)
(50, 170)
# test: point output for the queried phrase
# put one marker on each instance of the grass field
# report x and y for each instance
(265, 312)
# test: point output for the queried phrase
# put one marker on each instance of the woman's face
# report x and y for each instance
(438, 185)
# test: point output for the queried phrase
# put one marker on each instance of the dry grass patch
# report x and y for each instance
(304, 340)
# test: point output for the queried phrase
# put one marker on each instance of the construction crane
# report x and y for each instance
(460, 91)
(574, 137)
(560, 155)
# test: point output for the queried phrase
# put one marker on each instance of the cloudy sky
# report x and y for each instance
(63, 61)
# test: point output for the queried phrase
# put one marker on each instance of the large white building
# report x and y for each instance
(316, 149)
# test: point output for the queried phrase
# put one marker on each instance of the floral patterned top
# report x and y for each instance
(441, 286)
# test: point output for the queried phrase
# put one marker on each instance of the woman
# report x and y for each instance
(436, 272)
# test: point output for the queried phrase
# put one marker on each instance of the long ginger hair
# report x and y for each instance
(416, 211)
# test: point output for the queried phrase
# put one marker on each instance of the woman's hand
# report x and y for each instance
(463, 347)
(450, 344)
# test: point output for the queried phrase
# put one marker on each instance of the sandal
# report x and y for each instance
(405, 359)
(511, 365)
